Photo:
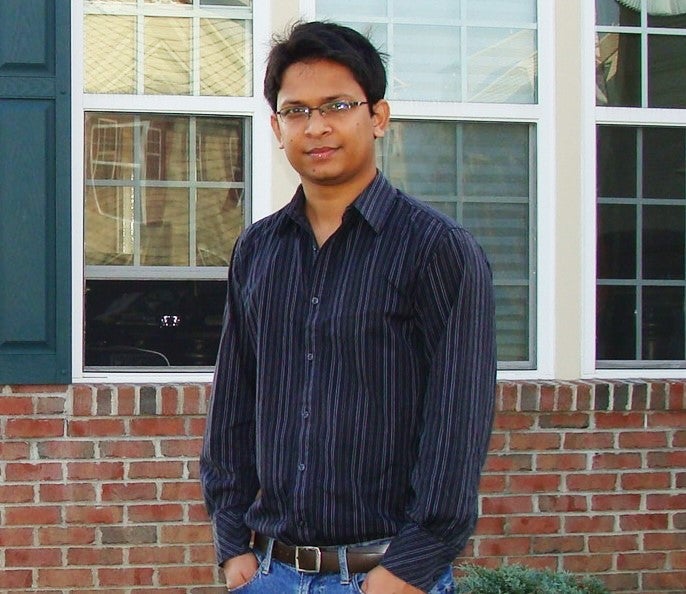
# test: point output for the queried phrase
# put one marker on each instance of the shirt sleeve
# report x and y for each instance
(227, 463)
(455, 309)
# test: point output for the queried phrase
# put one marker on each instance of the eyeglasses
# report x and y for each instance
(302, 113)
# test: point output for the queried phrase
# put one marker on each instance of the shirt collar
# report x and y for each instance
(373, 204)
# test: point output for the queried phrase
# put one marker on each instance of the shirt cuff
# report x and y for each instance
(231, 535)
(420, 558)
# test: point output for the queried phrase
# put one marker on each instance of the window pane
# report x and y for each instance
(427, 71)
(616, 256)
(663, 323)
(664, 163)
(220, 217)
(673, 15)
(618, 69)
(224, 46)
(109, 58)
(502, 11)
(356, 9)
(165, 227)
(501, 65)
(666, 68)
(478, 174)
(437, 9)
(664, 247)
(611, 12)
(109, 225)
(176, 50)
(616, 323)
(616, 162)
(153, 323)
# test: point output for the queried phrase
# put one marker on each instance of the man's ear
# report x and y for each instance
(277, 129)
(381, 116)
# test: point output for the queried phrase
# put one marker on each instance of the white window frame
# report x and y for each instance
(542, 115)
(594, 116)
(258, 175)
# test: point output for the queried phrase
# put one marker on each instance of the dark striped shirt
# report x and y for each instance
(354, 384)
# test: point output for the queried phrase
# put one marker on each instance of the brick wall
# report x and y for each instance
(99, 489)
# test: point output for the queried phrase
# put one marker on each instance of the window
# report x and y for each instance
(641, 184)
(166, 184)
(458, 71)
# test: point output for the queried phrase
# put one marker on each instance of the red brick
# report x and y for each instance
(508, 463)
(561, 462)
(65, 578)
(63, 449)
(622, 461)
(16, 537)
(664, 541)
(128, 535)
(641, 522)
(32, 515)
(50, 405)
(490, 525)
(41, 557)
(641, 440)
(30, 428)
(557, 544)
(671, 460)
(193, 401)
(95, 471)
(535, 441)
(193, 469)
(679, 439)
(507, 397)
(88, 514)
(29, 472)
(497, 442)
(640, 561)
(667, 502)
(93, 556)
(171, 576)
(673, 418)
(639, 481)
(197, 512)
(202, 553)
(12, 578)
(532, 525)
(75, 535)
(150, 426)
(616, 502)
(677, 559)
(504, 546)
(665, 580)
(155, 513)
(137, 576)
(196, 427)
(588, 524)
(157, 469)
(619, 420)
(181, 448)
(563, 503)
(587, 563)
(16, 493)
(592, 482)
(612, 544)
(162, 555)
(96, 428)
(507, 505)
(492, 483)
(38, 388)
(170, 400)
(621, 582)
(564, 420)
(82, 400)
(182, 491)
(126, 401)
(15, 406)
(186, 534)
(535, 483)
(513, 421)
(14, 450)
(129, 491)
(129, 449)
(585, 441)
(68, 492)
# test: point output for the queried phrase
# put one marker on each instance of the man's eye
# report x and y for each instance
(296, 111)
(339, 106)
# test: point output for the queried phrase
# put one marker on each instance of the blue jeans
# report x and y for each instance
(274, 577)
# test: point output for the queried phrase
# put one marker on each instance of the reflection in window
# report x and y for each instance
(641, 245)
(479, 174)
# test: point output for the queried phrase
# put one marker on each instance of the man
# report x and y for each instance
(353, 394)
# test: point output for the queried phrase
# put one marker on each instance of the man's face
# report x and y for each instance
(332, 150)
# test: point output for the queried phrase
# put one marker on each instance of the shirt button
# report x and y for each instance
(310, 356)
(301, 467)
(306, 413)
(315, 300)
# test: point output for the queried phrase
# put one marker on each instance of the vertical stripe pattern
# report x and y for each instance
(354, 384)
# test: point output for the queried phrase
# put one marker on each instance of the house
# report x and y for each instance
(134, 147)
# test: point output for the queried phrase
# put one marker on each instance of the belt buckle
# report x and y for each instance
(317, 559)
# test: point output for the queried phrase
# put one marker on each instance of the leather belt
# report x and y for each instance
(360, 558)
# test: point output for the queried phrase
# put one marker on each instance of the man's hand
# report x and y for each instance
(381, 581)
(240, 570)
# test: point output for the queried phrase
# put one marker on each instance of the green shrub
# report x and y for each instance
(517, 579)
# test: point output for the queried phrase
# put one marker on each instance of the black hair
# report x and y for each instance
(318, 40)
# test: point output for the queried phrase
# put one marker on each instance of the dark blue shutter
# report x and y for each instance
(35, 233)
